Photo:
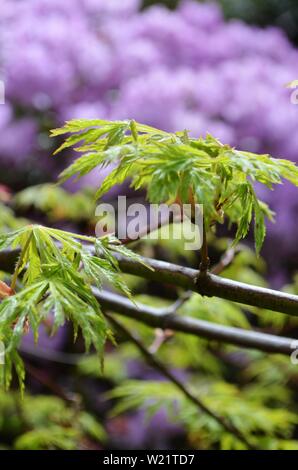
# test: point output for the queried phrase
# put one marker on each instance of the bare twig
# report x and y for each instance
(184, 297)
(205, 260)
(161, 336)
(162, 318)
(211, 285)
(5, 290)
(190, 279)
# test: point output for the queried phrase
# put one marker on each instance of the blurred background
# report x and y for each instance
(211, 67)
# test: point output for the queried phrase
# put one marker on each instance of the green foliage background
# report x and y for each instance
(281, 13)
(256, 392)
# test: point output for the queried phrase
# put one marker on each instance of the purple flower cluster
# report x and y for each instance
(186, 68)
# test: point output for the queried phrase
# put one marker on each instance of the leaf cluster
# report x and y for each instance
(52, 280)
(177, 167)
(252, 417)
(56, 202)
(44, 422)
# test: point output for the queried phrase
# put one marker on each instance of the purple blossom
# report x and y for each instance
(186, 68)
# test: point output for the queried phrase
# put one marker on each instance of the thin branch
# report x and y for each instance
(5, 290)
(42, 378)
(211, 285)
(190, 279)
(161, 336)
(165, 319)
(205, 260)
(147, 230)
(225, 261)
(158, 365)
(184, 297)
(20, 262)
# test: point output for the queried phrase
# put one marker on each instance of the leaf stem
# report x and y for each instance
(205, 260)
(20, 262)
